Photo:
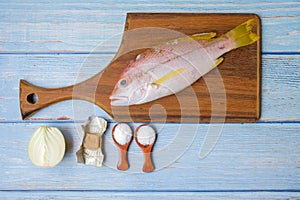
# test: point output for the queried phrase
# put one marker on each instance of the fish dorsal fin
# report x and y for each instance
(168, 76)
(203, 36)
(198, 36)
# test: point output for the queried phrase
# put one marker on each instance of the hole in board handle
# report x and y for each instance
(32, 98)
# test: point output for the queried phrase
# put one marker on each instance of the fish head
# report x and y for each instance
(130, 89)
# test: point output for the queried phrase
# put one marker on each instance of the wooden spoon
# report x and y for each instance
(148, 165)
(123, 162)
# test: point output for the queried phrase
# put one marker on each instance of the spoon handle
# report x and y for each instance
(123, 163)
(148, 165)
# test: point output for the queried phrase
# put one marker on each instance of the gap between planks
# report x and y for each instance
(277, 53)
(41, 120)
(162, 191)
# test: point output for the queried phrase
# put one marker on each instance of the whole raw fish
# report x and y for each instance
(177, 64)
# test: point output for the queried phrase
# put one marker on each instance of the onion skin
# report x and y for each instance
(46, 147)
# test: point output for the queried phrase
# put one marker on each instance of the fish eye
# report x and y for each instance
(123, 82)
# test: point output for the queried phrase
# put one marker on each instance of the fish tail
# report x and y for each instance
(242, 35)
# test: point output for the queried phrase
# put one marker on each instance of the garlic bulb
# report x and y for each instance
(46, 147)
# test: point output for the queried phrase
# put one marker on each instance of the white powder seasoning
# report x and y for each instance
(146, 135)
(122, 133)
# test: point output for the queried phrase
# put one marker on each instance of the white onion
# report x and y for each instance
(46, 147)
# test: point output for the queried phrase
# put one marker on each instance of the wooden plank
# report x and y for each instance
(80, 27)
(251, 156)
(116, 195)
(210, 97)
(280, 84)
(246, 157)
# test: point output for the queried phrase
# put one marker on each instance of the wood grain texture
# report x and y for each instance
(81, 26)
(48, 43)
(280, 83)
(235, 84)
(117, 195)
(246, 157)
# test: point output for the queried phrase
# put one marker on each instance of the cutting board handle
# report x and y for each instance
(34, 98)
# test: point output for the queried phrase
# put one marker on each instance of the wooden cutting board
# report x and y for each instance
(230, 93)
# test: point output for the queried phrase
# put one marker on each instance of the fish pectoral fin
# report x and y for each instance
(219, 61)
(203, 36)
(168, 76)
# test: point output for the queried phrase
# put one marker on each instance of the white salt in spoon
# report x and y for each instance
(145, 137)
(122, 136)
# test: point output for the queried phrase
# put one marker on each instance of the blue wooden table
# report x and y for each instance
(50, 44)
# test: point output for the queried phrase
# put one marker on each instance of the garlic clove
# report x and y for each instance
(46, 147)
(95, 125)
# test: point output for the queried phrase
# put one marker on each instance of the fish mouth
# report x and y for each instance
(119, 100)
